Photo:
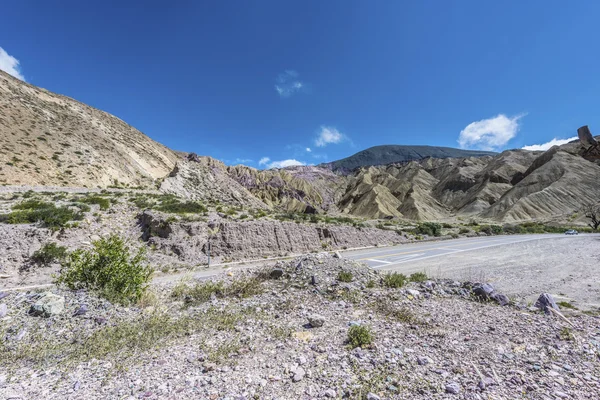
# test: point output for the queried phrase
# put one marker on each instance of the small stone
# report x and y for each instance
(354, 323)
(453, 388)
(413, 292)
(3, 295)
(316, 320)
(372, 396)
(47, 305)
(3, 310)
(299, 374)
(76, 386)
(301, 360)
(337, 255)
(330, 393)
(424, 360)
(562, 395)
(81, 310)
(209, 367)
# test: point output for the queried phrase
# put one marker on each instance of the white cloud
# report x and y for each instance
(288, 84)
(329, 135)
(308, 150)
(285, 163)
(10, 65)
(546, 146)
(264, 161)
(490, 134)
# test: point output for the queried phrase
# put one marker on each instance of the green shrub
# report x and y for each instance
(109, 269)
(429, 228)
(359, 336)
(463, 231)
(188, 207)
(104, 203)
(447, 225)
(394, 280)
(47, 214)
(49, 253)
(418, 277)
(497, 229)
(486, 229)
(345, 276)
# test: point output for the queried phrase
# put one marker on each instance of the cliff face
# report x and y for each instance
(254, 239)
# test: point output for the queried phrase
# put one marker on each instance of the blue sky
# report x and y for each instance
(315, 81)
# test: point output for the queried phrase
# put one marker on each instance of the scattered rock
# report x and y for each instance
(47, 305)
(500, 298)
(453, 388)
(3, 310)
(546, 301)
(316, 320)
(330, 393)
(299, 374)
(81, 310)
(3, 295)
(372, 396)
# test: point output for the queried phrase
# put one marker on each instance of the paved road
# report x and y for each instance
(407, 256)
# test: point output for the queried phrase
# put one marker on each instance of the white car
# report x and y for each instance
(571, 232)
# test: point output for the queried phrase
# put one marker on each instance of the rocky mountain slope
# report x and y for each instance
(52, 140)
(48, 139)
(388, 154)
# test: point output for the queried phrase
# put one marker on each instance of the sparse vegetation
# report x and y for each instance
(418, 277)
(566, 304)
(103, 202)
(359, 336)
(36, 211)
(592, 212)
(202, 292)
(49, 253)
(345, 276)
(109, 269)
(394, 280)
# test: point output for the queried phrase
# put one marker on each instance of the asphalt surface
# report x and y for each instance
(408, 255)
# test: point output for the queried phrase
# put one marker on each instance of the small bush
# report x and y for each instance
(371, 284)
(109, 269)
(359, 336)
(188, 207)
(394, 280)
(104, 203)
(345, 276)
(49, 253)
(464, 231)
(447, 225)
(429, 228)
(418, 277)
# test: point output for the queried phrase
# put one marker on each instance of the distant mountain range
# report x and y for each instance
(52, 140)
(388, 154)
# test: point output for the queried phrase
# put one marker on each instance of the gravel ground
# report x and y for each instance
(432, 340)
(566, 266)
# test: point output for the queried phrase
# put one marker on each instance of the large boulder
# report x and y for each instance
(47, 305)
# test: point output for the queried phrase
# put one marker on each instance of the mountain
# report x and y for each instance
(52, 140)
(388, 154)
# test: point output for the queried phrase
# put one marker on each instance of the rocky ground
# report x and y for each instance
(280, 332)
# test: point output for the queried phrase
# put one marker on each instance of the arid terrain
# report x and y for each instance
(131, 271)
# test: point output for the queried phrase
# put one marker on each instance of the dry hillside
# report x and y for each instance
(48, 139)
